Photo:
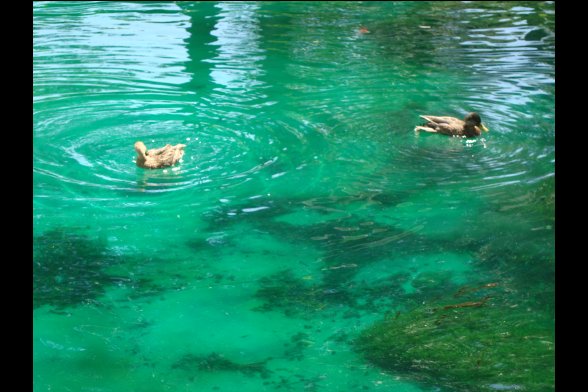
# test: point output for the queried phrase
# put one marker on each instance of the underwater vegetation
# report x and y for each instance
(497, 333)
(297, 297)
(478, 339)
(524, 255)
(295, 347)
(348, 243)
(277, 379)
(344, 237)
(292, 296)
(543, 199)
(216, 362)
(69, 269)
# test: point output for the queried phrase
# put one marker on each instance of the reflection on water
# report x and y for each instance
(237, 66)
(305, 209)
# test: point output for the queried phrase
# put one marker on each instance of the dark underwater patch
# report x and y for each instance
(69, 269)
(292, 296)
(219, 363)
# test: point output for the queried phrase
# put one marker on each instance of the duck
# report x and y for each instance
(470, 126)
(158, 157)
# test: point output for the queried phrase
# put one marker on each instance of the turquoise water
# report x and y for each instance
(305, 209)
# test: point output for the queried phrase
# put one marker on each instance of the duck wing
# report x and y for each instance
(440, 119)
(158, 151)
(449, 129)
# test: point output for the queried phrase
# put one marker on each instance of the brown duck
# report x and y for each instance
(158, 157)
(470, 126)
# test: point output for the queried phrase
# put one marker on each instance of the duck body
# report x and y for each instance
(158, 157)
(470, 126)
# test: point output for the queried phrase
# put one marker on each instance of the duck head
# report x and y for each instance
(141, 149)
(473, 119)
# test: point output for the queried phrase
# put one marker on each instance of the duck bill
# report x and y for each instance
(484, 128)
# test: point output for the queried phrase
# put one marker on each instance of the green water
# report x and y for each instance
(305, 209)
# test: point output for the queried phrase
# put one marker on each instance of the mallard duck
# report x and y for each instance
(470, 126)
(158, 157)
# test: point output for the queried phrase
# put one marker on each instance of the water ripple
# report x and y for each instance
(336, 114)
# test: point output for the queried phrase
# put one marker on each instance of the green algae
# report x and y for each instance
(475, 340)
(295, 297)
(215, 362)
(343, 240)
(69, 268)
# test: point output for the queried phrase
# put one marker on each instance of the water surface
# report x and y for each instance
(305, 208)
